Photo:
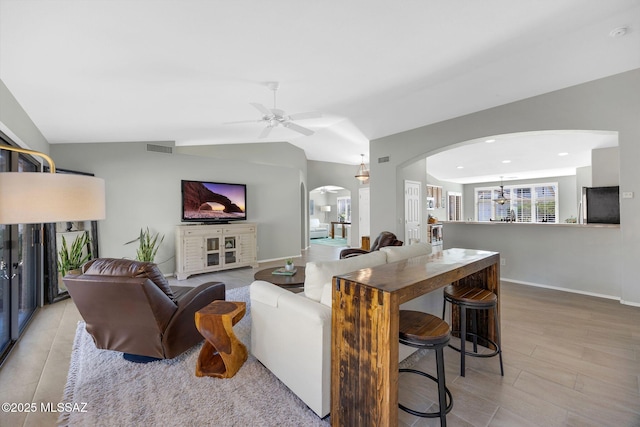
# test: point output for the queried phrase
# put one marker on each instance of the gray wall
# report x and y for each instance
(560, 256)
(15, 122)
(605, 164)
(609, 104)
(326, 173)
(143, 190)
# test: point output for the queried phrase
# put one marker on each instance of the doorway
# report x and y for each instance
(330, 216)
(412, 211)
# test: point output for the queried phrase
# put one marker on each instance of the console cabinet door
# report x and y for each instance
(193, 258)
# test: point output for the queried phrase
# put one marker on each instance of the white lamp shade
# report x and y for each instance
(326, 208)
(33, 197)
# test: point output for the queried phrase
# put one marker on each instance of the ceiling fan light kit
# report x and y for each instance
(275, 117)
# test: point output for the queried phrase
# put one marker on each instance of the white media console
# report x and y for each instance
(207, 248)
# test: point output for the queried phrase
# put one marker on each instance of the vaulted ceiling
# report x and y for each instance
(177, 70)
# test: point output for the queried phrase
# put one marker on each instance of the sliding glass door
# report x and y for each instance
(20, 265)
(26, 262)
(5, 281)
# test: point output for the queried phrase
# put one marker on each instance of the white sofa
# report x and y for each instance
(317, 229)
(291, 333)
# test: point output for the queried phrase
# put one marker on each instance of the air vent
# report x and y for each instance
(159, 148)
(384, 159)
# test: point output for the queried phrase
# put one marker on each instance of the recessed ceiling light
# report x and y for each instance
(563, 154)
(618, 32)
(489, 141)
(506, 161)
(460, 167)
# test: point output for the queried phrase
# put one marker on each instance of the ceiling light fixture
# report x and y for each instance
(489, 141)
(37, 197)
(501, 200)
(363, 173)
(506, 161)
(563, 154)
(460, 167)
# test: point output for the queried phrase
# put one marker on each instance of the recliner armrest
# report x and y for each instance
(182, 327)
(347, 253)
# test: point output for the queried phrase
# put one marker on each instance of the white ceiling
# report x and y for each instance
(175, 70)
(525, 155)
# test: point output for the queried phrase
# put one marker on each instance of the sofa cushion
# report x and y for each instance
(320, 273)
(314, 223)
(398, 253)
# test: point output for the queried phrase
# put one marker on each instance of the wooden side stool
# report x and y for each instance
(423, 330)
(222, 354)
(473, 298)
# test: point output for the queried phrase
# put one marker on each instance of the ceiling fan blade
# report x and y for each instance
(265, 132)
(242, 121)
(307, 115)
(264, 110)
(298, 128)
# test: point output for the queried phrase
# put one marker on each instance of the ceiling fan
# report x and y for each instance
(275, 117)
(324, 190)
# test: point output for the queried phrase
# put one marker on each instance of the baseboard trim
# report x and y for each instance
(573, 291)
(279, 259)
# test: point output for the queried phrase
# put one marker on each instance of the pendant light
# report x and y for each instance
(501, 200)
(363, 173)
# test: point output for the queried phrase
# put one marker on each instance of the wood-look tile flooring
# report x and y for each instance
(570, 360)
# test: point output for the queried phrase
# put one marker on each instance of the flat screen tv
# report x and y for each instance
(602, 205)
(216, 202)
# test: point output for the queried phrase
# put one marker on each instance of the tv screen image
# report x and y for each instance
(204, 201)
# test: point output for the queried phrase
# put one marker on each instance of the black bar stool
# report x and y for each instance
(423, 330)
(469, 297)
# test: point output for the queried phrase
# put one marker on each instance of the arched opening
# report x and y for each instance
(330, 216)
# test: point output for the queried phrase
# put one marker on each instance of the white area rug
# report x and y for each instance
(167, 392)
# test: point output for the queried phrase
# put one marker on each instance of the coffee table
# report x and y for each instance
(293, 283)
(223, 353)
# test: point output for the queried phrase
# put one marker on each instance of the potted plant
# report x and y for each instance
(149, 245)
(72, 258)
(288, 264)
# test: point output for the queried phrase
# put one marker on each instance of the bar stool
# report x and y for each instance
(423, 330)
(473, 298)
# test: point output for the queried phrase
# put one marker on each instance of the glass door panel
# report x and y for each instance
(5, 283)
(25, 263)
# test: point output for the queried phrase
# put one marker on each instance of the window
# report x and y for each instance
(525, 203)
(344, 208)
(454, 206)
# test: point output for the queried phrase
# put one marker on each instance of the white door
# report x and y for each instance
(364, 220)
(412, 211)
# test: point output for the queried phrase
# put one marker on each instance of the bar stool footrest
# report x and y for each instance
(427, 414)
(495, 351)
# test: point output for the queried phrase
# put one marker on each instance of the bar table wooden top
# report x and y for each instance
(364, 327)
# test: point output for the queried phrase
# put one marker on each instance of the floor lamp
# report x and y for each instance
(39, 197)
(326, 209)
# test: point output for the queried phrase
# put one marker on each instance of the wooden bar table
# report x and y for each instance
(365, 321)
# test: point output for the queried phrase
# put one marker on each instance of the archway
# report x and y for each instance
(330, 216)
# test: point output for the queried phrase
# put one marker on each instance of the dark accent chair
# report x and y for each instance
(128, 306)
(386, 238)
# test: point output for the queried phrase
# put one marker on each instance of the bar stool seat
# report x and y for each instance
(474, 298)
(423, 330)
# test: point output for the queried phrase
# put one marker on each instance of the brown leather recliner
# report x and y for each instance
(386, 238)
(128, 306)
